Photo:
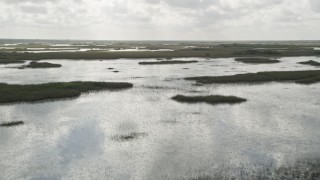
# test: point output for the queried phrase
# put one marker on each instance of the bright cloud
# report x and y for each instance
(160, 19)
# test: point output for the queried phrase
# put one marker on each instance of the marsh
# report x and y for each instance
(159, 89)
(126, 134)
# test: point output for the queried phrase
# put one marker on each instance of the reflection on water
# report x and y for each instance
(141, 134)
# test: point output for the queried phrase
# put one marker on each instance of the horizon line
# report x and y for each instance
(151, 40)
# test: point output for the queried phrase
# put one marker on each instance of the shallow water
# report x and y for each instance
(87, 137)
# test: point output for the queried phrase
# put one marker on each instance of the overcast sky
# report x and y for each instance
(161, 19)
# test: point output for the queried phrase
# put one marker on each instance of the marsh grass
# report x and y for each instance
(302, 77)
(9, 61)
(35, 64)
(177, 50)
(128, 137)
(301, 169)
(13, 123)
(166, 62)
(10, 93)
(212, 99)
(311, 63)
(256, 60)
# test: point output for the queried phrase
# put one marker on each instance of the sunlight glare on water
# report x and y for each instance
(140, 133)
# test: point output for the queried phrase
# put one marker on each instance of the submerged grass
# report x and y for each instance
(128, 137)
(256, 60)
(35, 64)
(301, 169)
(10, 93)
(302, 77)
(9, 124)
(311, 62)
(212, 99)
(167, 62)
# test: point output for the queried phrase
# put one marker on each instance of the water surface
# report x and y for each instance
(83, 138)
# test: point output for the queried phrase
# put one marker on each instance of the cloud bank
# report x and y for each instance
(161, 19)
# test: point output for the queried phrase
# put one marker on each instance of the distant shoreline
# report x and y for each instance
(77, 50)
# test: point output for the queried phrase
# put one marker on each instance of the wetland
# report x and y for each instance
(216, 118)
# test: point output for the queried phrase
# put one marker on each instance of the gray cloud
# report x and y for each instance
(159, 19)
(315, 5)
(185, 3)
(27, 1)
(33, 9)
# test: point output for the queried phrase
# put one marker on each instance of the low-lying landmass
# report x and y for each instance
(257, 60)
(311, 63)
(10, 93)
(212, 99)
(302, 77)
(179, 49)
(13, 123)
(35, 64)
(166, 62)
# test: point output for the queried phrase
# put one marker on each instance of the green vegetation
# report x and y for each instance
(213, 99)
(177, 49)
(311, 62)
(254, 60)
(303, 77)
(254, 52)
(9, 124)
(166, 62)
(302, 169)
(10, 93)
(8, 61)
(35, 64)
(127, 137)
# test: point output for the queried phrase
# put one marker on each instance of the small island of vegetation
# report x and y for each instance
(128, 137)
(10, 93)
(255, 60)
(35, 64)
(302, 77)
(311, 63)
(13, 123)
(166, 62)
(212, 99)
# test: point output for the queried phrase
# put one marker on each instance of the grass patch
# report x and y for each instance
(128, 137)
(9, 61)
(9, 124)
(35, 64)
(167, 62)
(311, 62)
(212, 99)
(254, 60)
(302, 77)
(301, 169)
(10, 93)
